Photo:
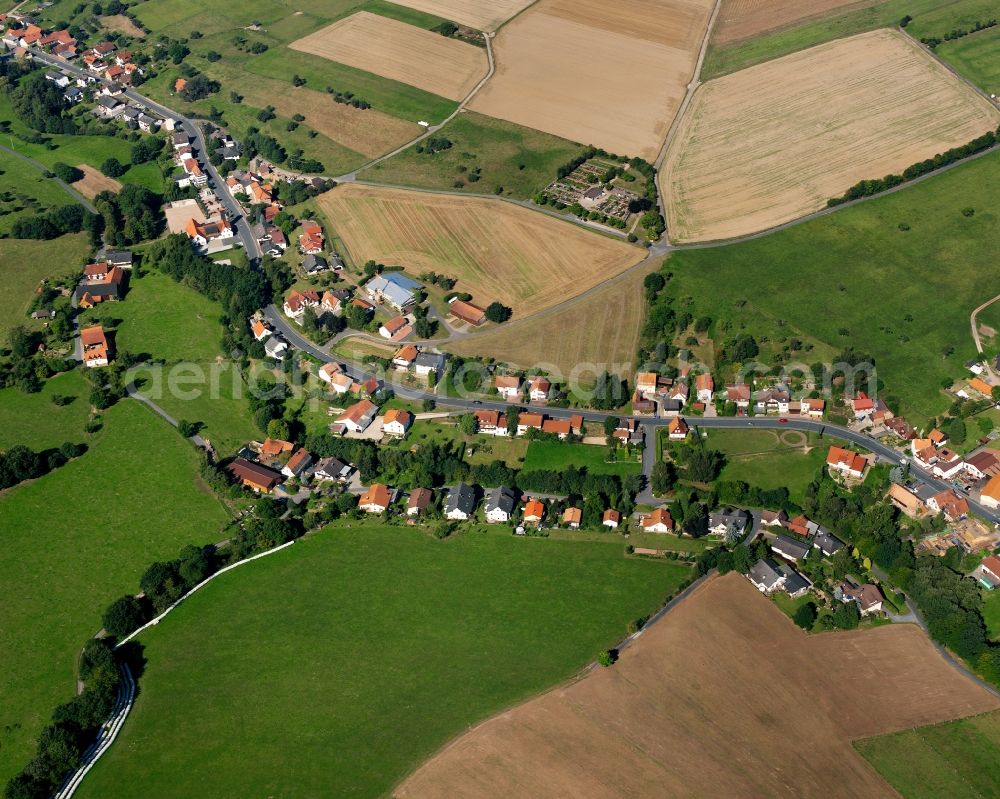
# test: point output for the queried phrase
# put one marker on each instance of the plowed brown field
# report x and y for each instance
(608, 74)
(723, 697)
(395, 50)
(744, 19)
(94, 182)
(483, 15)
(495, 249)
(774, 142)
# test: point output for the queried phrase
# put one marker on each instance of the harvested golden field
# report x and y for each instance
(723, 697)
(395, 50)
(483, 15)
(94, 182)
(122, 24)
(582, 338)
(744, 19)
(496, 250)
(612, 75)
(774, 142)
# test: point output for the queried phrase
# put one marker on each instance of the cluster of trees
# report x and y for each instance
(299, 162)
(442, 281)
(347, 98)
(19, 463)
(53, 223)
(199, 87)
(257, 143)
(610, 392)
(66, 173)
(37, 102)
(866, 188)
(22, 368)
(148, 148)
(740, 349)
(498, 313)
(132, 215)
(435, 144)
(956, 33)
(293, 192)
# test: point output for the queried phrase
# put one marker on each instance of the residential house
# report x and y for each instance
(560, 427)
(990, 495)
(812, 407)
(729, 521)
(312, 264)
(678, 392)
(572, 517)
(988, 572)
(259, 330)
(333, 374)
(396, 422)
(538, 389)
(898, 426)
(849, 464)
(122, 258)
(534, 512)
(275, 347)
(332, 302)
(466, 312)
(460, 503)
(358, 417)
(772, 400)
(704, 387)
(500, 505)
(274, 449)
(867, 596)
(491, 423)
(801, 525)
(60, 80)
(204, 233)
(789, 548)
(982, 465)
(948, 464)
(827, 543)
(508, 386)
(773, 518)
(611, 519)
(296, 303)
(904, 499)
(180, 139)
(254, 476)
(73, 95)
(376, 499)
(739, 395)
(311, 237)
(980, 386)
(393, 326)
(677, 429)
(428, 362)
(93, 291)
(659, 521)
(947, 502)
(393, 289)
(405, 357)
(529, 421)
(332, 470)
(419, 501)
(938, 438)
(646, 383)
(862, 405)
(109, 107)
(96, 349)
(300, 461)
(766, 577)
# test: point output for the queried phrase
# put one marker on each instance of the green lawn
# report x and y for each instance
(75, 540)
(991, 613)
(957, 759)
(37, 422)
(24, 191)
(24, 263)
(930, 18)
(761, 458)
(372, 647)
(558, 455)
(178, 325)
(854, 279)
(519, 160)
(975, 56)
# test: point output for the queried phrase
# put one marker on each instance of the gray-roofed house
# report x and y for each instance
(73, 95)
(313, 264)
(231, 153)
(795, 584)
(109, 107)
(275, 347)
(394, 289)
(427, 362)
(461, 502)
(60, 80)
(332, 469)
(728, 520)
(122, 258)
(827, 543)
(789, 548)
(766, 577)
(148, 123)
(500, 504)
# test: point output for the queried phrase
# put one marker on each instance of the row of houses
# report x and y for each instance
(264, 467)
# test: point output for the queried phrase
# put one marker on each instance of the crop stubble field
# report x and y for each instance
(662, 721)
(774, 142)
(744, 19)
(496, 250)
(608, 75)
(395, 50)
(94, 182)
(484, 15)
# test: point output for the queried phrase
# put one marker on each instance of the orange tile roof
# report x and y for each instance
(557, 426)
(572, 516)
(992, 488)
(611, 515)
(377, 494)
(658, 516)
(272, 447)
(980, 385)
(397, 415)
(534, 510)
(407, 353)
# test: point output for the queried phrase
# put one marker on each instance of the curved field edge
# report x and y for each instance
(76, 539)
(371, 647)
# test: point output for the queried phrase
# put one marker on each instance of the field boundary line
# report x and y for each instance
(111, 728)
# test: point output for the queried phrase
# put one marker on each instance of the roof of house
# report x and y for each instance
(376, 494)
(254, 473)
(273, 447)
(794, 582)
(937, 436)
(299, 460)
(358, 411)
(397, 415)
(572, 516)
(789, 546)
(611, 515)
(466, 311)
(738, 393)
(461, 497)
(419, 499)
(765, 572)
(983, 460)
(992, 564)
(561, 427)
(727, 516)
(827, 542)
(658, 516)
(838, 456)
(507, 381)
(527, 420)
(677, 425)
(862, 402)
(397, 288)
(395, 324)
(772, 516)
(406, 353)
(867, 595)
(502, 499)
(93, 336)
(904, 497)
(332, 466)
(539, 383)
(980, 385)
(951, 504)
(704, 382)
(534, 509)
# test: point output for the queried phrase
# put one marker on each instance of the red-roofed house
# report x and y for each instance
(311, 238)
(846, 462)
(705, 387)
(863, 405)
(297, 301)
(396, 422)
(659, 521)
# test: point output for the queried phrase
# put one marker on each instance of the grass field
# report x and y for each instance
(362, 674)
(24, 263)
(25, 191)
(765, 459)
(600, 331)
(557, 456)
(35, 421)
(173, 323)
(496, 250)
(776, 141)
(508, 159)
(77, 539)
(975, 56)
(663, 721)
(923, 281)
(957, 759)
(991, 613)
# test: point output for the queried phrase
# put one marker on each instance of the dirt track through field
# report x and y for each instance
(744, 19)
(395, 50)
(612, 75)
(723, 697)
(774, 142)
(483, 15)
(496, 250)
